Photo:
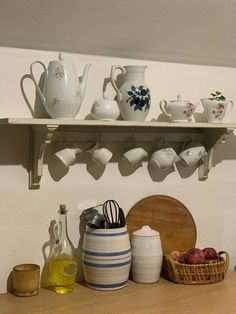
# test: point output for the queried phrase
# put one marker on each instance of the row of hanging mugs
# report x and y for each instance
(164, 156)
(63, 93)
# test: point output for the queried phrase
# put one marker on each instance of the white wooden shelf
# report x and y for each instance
(117, 123)
(43, 131)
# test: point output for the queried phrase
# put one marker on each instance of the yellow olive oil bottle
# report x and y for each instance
(62, 260)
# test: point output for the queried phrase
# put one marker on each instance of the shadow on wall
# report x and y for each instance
(46, 280)
(37, 111)
(14, 143)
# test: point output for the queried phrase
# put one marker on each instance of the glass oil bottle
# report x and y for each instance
(62, 260)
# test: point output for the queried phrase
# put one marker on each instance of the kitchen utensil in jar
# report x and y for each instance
(93, 217)
(111, 213)
(121, 218)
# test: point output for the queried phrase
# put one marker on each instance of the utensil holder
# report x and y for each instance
(106, 258)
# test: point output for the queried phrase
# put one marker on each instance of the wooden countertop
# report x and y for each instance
(163, 297)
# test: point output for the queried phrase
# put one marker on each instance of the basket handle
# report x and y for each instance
(170, 259)
(226, 258)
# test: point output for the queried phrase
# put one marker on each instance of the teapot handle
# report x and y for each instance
(34, 80)
(112, 77)
(163, 106)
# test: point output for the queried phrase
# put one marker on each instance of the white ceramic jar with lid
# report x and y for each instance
(147, 255)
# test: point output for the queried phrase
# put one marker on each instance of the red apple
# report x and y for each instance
(176, 255)
(183, 258)
(209, 253)
(195, 256)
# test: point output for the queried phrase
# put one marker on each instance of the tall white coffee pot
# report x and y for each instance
(63, 91)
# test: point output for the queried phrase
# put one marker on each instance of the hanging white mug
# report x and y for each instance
(192, 151)
(134, 155)
(164, 158)
(100, 154)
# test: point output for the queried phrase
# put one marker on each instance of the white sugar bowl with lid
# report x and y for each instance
(178, 110)
(105, 109)
(147, 255)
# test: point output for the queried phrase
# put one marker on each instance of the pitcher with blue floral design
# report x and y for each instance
(133, 95)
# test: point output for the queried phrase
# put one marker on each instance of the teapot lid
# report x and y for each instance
(146, 231)
(179, 98)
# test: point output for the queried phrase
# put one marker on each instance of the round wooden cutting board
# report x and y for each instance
(168, 216)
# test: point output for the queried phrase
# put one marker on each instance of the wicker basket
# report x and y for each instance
(196, 274)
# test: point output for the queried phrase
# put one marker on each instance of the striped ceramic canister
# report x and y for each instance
(106, 258)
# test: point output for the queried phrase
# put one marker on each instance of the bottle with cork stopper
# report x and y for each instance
(62, 260)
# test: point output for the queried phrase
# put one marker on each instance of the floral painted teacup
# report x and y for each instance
(215, 110)
(164, 158)
(191, 153)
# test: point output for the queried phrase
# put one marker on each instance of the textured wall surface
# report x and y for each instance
(26, 216)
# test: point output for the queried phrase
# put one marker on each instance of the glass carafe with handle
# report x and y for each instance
(62, 260)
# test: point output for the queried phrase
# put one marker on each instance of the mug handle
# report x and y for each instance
(186, 141)
(112, 77)
(163, 106)
(231, 106)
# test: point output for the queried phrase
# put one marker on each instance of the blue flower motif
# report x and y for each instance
(139, 98)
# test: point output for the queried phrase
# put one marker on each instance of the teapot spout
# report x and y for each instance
(83, 81)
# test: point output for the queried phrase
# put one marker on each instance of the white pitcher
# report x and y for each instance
(133, 95)
(63, 92)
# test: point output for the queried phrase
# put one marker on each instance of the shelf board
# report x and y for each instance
(117, 124)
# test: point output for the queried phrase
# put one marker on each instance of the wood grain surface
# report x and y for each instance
(168, 216)
(162, 297)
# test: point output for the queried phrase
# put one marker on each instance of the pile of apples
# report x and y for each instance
(195, 256)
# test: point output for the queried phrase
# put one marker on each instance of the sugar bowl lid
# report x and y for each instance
(146, 231)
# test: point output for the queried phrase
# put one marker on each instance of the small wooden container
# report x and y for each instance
(196, 274)
(26, 280)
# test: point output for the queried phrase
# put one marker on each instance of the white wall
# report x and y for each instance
(25, 215)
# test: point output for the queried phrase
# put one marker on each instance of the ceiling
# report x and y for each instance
(185, 31)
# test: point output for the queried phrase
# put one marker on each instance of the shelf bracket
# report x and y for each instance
(206, 164)
(40, 137)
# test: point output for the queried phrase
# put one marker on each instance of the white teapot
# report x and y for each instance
(178, 110)
(63, 92)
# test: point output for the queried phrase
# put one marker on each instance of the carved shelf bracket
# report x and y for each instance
(40, 137)
(213, 140)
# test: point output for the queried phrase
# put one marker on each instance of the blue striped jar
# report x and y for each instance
(106, 258)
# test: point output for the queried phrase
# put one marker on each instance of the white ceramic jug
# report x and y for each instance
(63, 92)
(178, 110)
(147, 255)
(133, 95)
